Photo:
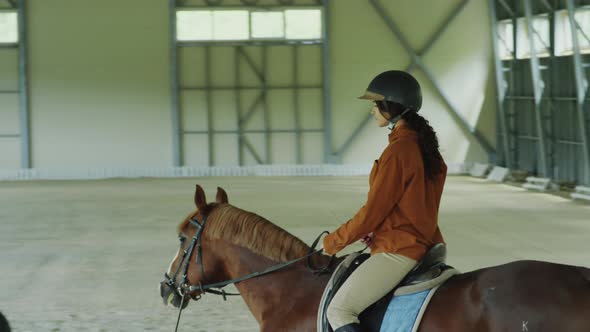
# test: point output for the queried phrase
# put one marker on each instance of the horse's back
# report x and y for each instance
(518, 296)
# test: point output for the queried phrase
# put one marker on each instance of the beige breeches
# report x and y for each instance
(378, 275)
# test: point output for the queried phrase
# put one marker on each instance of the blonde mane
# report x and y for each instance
(251, 231)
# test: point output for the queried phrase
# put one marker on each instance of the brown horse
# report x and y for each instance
(519, 296)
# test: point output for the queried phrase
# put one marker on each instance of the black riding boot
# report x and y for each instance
(354, 327)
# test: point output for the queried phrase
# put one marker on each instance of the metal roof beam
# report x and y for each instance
(416, 61)
(435, 37)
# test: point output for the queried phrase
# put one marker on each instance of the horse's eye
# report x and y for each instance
(181, 239)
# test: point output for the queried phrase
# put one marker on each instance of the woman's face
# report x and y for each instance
(382, 121)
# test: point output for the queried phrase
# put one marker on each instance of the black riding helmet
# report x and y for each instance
(395, 86)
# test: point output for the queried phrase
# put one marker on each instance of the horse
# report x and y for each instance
(232, 243)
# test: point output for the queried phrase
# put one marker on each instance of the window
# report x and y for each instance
(304, 24)
(8, 28)
(268, 24)
(540, 36)
(212, 25)
(230, 25)
(253, 24)
(563, 32)
(194, 25)
(506, 39)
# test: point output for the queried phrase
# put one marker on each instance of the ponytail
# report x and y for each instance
(427, 140)
(433, 161)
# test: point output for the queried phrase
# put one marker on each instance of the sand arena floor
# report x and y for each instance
(88, 255)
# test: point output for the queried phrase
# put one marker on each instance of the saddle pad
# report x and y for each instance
(405, 312)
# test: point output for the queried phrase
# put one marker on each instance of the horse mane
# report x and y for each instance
(251, 231)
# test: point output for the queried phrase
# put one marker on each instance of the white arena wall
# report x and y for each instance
(100, 93)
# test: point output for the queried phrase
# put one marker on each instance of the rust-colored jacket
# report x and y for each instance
(402, 205)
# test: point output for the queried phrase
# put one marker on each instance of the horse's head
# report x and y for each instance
(189, 268)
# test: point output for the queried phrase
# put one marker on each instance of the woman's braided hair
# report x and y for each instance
(427, 140)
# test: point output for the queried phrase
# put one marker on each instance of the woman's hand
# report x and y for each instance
(368, 239)
(325, 247)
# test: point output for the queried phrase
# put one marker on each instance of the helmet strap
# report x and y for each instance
(395, 120)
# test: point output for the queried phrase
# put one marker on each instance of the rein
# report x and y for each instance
(322, 270)
(185, 288)
(269, 270)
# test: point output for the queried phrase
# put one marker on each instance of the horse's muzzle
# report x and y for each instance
(170, 296)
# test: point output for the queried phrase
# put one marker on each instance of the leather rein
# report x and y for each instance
(186, 288)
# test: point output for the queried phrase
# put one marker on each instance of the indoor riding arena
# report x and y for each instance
(112, 111)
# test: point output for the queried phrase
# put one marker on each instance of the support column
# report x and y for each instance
(177, 159)
(329, 156)
(209, 105)
(265, 107)
(296, 110)
(238, 98)
(501, 84)
(538, 87)
(581, 88)
(23, 86)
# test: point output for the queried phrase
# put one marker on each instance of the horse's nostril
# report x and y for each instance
(165, 289)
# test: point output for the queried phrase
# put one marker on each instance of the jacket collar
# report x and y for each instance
(401, 130)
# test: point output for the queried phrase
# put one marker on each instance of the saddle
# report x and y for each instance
(428, 273)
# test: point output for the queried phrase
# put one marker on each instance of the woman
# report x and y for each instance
(399, 219)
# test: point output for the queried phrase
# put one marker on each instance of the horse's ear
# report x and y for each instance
(200, 200)
(221, 196)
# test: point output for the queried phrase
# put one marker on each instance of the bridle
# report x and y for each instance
(186, 288)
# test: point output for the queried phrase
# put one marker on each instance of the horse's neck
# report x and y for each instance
(288, 292)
